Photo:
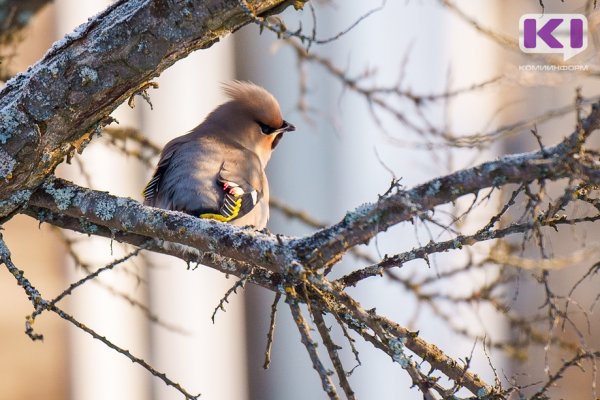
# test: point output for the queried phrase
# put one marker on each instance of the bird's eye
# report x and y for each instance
(266, 129)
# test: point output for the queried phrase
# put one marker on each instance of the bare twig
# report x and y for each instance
(232, 290)
(332, 349)
(39, 303)
(311, 348)
(271, 332)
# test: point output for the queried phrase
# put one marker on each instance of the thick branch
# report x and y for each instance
(260, 276)
(91, 210)
(51, 110)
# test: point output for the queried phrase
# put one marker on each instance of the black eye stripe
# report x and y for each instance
(266, 129)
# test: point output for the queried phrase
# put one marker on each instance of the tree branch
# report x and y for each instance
(129, 216)
(260, 276)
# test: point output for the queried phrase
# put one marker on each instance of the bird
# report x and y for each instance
(217, 170)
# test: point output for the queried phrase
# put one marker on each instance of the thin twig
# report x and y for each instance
(38, 302)
(332, 349)
(311, 348)
(232, 290)
(271, 333)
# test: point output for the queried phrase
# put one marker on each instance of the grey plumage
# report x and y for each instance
(217, 170)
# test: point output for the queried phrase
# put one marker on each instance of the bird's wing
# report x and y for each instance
(240, 196)
(151, 190)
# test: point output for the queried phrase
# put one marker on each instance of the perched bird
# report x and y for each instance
(217, 170)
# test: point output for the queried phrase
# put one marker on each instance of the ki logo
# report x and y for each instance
(553, 33)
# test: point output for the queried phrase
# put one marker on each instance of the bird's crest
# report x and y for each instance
(243, 90)
(249, 93)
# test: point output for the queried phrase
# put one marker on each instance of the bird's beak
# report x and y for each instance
(286, 127)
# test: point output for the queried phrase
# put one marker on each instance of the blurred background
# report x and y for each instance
(345, 152)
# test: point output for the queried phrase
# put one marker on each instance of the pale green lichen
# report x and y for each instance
(434, 188)
(224, 264)
(10, 120)
(397, 348)
(88, 75)
(187, 14)
(79, 202)
(122, 202)
(212, 247)
(360, 212)
(490, 167)
(294, 268)
(105, 209)
(481, 393)
(363, 209)
(62, 196)
(455, 190)
(54, 70)
(351, 321)
(15, 199)
(499, 180)
(7, 165)
(88, 227)
(127, 226)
